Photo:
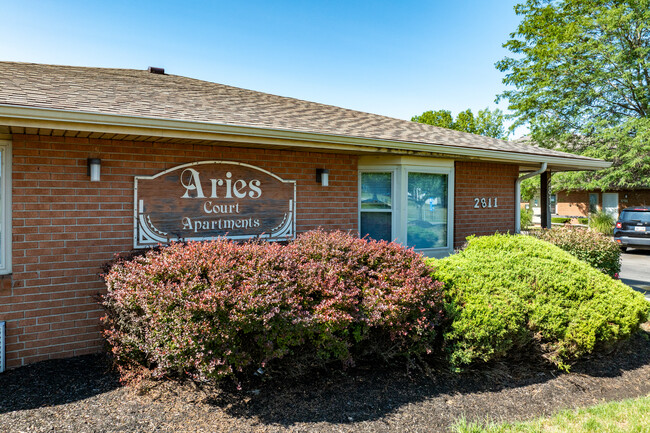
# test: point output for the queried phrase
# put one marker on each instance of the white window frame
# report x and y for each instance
(438, 251)
(393, 202)
(5, 214)
(401, 167)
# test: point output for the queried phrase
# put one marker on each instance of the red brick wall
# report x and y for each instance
(576, 203)
(488, 180)
(573, 203)
(639, 198)
(65, 227)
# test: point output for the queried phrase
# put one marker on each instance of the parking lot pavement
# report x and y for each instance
(635, 270)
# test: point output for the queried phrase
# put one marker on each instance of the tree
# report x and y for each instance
(627, 146)
(465, 122)
(581, 78)
(488, 123)
(440, 118)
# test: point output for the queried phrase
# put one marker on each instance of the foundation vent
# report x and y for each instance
(2, 346)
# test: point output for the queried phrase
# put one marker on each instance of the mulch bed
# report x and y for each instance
(82, 395)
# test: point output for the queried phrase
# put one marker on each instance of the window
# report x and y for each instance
(426, 225)
(408, 200)
(376, 207)
(5, 207)
(554, 204)
(642, 216)
(593, 202)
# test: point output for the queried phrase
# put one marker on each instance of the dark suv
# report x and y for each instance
(633, 228)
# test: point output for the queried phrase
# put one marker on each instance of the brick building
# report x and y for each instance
(96, 162)
(576, 204)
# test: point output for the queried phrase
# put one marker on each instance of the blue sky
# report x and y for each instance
(396, 58)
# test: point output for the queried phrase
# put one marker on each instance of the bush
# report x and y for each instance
(598, 250)
(526, 218)
(583, 220)
(215, 309)
(560, 220)
(505, 292)
(602, 222)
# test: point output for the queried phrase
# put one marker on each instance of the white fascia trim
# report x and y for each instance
(13, 115)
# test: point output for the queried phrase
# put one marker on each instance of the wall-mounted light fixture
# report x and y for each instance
(323, 176)
(94, 169)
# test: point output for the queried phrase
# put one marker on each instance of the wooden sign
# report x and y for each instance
(204, 200)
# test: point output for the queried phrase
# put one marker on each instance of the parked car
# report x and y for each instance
(633, 228)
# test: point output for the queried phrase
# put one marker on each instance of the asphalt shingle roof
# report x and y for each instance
(141, 93)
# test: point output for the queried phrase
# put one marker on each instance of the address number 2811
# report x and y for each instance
(483, 202)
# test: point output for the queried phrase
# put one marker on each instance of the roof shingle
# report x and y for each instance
(143, 94)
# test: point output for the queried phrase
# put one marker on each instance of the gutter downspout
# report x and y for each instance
(518, 194)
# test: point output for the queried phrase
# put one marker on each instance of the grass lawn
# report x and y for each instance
(622, 416)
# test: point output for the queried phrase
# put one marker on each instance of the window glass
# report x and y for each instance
(593, 202)
(554, 203)
(427, 210)
(376, 225)
(376, 218)
(376, 191)
(631, 215)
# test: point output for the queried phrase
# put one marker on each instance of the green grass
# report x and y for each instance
(627, 416)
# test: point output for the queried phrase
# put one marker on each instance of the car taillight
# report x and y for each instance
(619, 225)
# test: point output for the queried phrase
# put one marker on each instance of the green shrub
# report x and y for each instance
(504, 292)
(602, 222)
(526, 218)
(583, 220)
(209, 310)
(598, 250)
(560, 220)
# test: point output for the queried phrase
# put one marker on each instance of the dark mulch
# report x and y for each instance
(82, 395)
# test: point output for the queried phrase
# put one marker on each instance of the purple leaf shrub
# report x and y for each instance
(209, 310)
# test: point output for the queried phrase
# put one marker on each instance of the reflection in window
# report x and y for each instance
(375, 190)
(376, 206)
(554, 204)
(427, 210)
(593, 202)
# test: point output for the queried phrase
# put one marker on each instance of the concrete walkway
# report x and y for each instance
(635, 270)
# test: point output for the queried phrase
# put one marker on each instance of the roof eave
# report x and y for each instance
(30, 117)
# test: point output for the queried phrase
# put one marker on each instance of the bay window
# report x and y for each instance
(408, 200)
